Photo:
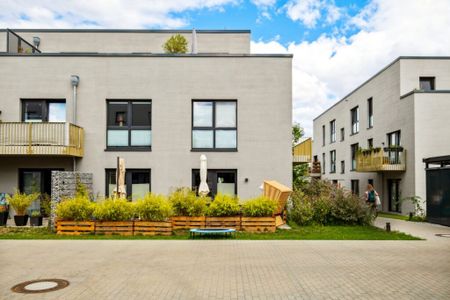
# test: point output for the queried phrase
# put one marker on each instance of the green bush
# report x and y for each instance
(186, 203)
(259, 207)
(75, 209)
(301, 211)
(321, 209)
(349, 209)
(153, 208)
(21, 201)
(114, 210)
(175, 44)
(223, 206)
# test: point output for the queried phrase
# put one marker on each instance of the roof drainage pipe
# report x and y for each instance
(74, 80)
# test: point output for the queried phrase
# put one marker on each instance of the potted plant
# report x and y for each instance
(20, 202)
(36, 218)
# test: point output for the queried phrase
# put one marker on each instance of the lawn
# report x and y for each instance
(296, 233)
(400, 217)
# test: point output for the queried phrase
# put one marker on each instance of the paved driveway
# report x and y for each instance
(230, 269)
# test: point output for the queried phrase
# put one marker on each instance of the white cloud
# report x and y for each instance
(264, 2)
(101, 13)
(326, 69)
(264, 6)
(309, 12)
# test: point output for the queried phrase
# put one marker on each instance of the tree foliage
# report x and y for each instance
(176, 44)
(297, 133)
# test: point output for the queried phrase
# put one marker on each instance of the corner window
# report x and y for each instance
(219, 181)
(426, 83)
(214, 125)
(137, 182)
(355, 119)
(370, 112)
(353, 150)
(333, 131)
(129, 125)
(43, 110)
(333, 161)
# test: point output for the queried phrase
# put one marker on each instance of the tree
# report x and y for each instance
(176, 44)
(297, 133)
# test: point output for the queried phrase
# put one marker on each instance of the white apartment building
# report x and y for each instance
(381, 131)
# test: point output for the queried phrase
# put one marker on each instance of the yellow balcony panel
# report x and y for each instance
(56, 139)
(381, 161)
(302, 152)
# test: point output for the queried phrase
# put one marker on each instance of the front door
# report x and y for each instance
(394, 194)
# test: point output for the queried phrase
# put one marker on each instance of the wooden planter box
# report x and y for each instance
(152, 228)
(114, 227)
(188, 222)
(75, 227)
(224, 222)
(258, 224)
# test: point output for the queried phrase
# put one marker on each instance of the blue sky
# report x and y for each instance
(336, 44)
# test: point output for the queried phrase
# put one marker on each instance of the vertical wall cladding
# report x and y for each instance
(64, 185)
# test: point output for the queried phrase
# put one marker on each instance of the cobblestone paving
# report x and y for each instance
(230, 269)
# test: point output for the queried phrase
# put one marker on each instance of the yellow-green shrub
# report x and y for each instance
(224, 205)
(75, 209)
(114, 210)
(153, 207)
(186, 203)
(259, 207)
(21, 201)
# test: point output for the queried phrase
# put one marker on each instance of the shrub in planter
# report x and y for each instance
(302, 211)
(224, 206)
(153, 208)
(20, 202)
(75, 209)
(114, 210)
(259, 207)
(185, 203)
(36, 218)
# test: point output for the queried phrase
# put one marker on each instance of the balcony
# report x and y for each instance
(302, 152)
(57, 139)
(315, 170)
(381, 160)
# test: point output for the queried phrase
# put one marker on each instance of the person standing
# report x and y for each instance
(371, 198)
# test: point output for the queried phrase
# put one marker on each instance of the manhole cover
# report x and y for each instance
(40, 286)
(447, 235)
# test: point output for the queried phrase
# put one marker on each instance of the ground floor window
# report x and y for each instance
(137, 182)
(355, 187)
(219, 181)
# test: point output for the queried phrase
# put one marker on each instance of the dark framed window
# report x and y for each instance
(342, 134)
(427, 83)
(342, 166)
(222, 181)
(129, 125)
(333, 131)
(333, 161)
(214, 125)
(370, 143)
(394, 140)
(370, 112)
(354, 114)
(137, 182)
(323, 163)
(353, 151)
(355, 186)
(323, 135)
(43, 110)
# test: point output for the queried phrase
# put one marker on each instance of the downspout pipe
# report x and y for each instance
(74, 80)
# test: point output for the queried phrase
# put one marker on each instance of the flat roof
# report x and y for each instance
(437, 160)
(133, 30)
(378, 73)
(139, 54)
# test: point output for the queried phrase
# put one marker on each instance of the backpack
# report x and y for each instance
(371, 196)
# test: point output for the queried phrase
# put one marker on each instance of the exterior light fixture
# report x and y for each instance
(36, 41)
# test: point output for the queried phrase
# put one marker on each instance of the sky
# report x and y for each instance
(337, 44)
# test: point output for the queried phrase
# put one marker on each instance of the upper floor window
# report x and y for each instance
(43, 110)
(323, 163)
(129, 125)
(214, 125)
(355, 186)
(333, 161)
(370, 112)
(342, 134)
(333, 131)
(370, 143)
(426, 83)
(355, 119)
(323, 135)
(342, 166)
(353, 151)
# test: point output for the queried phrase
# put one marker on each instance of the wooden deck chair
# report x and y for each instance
(280, 193)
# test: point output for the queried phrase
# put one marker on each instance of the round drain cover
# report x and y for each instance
(40, 286)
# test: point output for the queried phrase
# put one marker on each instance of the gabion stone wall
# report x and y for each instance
(64, 185)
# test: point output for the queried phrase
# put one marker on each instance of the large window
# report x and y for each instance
(354, 113)
(333, 161)
(214, 125)
(426, 83)
(355, 187)
(370, 112)
(393, 140)
(354, 150)
(137, 182)
(129, 125)
(333, 131)
(219, 181)
(43, 110)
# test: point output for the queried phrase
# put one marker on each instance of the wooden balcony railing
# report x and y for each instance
(61, 139)
(302, 152)
(381, 160)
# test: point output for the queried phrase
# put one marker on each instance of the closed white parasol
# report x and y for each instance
(119, 190)
(203, 189)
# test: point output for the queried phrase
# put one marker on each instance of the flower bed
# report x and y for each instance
(75, 227)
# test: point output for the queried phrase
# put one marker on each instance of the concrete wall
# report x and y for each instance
(136, 41)
(261, 85)
(3, 41)
(412, 69)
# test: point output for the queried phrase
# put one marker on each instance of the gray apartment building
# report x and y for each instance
(78, 99)
(381, 132)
